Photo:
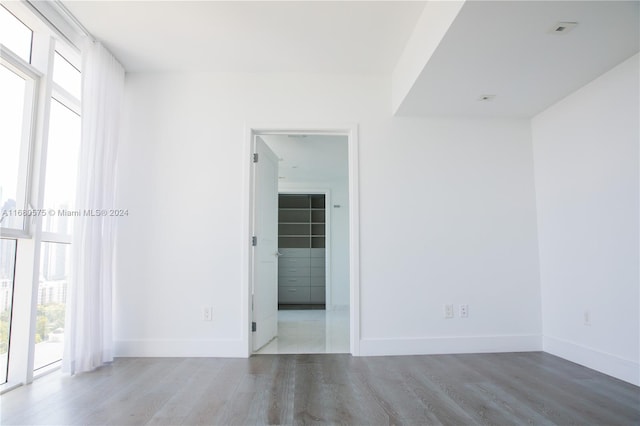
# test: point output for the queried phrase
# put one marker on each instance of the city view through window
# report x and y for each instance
(52, 297)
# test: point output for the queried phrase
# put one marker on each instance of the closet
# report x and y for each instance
(301, 243)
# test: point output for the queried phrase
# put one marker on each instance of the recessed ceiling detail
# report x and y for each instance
(505, 47)
(563, 27)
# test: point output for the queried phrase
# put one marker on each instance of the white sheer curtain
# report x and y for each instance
(88, 324)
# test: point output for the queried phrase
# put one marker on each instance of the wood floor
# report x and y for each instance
(516, 388)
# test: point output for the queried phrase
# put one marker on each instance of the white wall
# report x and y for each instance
(586, 167)
(447, 216)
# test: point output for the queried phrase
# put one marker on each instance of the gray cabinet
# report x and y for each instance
(301, 241)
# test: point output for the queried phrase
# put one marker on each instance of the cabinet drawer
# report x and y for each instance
(317, 294)
(293, 262)
(293, 294)
(293, 281)
(317, 252)
(317, 281)
(294, 252)
(293, 271)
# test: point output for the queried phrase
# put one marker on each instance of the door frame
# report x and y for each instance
(351, 132)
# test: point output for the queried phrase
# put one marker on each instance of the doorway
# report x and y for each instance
(310, 173)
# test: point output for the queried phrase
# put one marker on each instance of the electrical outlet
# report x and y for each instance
(207, 313)
(464, 311)
(448, 311)
(587, 317)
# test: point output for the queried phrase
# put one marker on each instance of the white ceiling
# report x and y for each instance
(504, 48)
(239, 36)
(310, 158)
(501, 48)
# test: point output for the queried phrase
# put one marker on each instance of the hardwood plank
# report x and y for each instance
(384, 380)
(196, 381)
(279, 397)
(209, 406)
(517, 388)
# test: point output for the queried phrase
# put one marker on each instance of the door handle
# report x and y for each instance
(278, 254)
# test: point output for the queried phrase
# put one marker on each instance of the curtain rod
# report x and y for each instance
(72, 19)
(52, 9)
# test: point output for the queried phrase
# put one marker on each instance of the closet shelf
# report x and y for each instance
(301, 242)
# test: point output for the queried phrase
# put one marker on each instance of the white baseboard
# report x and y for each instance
(181, 348)
(606, 363)
(450, 345)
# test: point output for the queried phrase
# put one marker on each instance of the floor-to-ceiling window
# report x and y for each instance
(18, 88)
(39, 144)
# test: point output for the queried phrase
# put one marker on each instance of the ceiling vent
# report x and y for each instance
(563, 27)
(486, 98)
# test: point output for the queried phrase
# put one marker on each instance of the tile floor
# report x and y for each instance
(310, 332)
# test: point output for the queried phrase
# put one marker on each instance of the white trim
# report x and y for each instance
(18, 65)
(14, 234)
(52, 237)
(245, 255)
(66, 99)
(450, 345)
(47, 369)
(232, 348)
(613, 365)
(9, 386)
(354, 240)
(349, 130)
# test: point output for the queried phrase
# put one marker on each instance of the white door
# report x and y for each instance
(265, 251)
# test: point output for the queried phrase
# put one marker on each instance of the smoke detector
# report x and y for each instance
(563, 27)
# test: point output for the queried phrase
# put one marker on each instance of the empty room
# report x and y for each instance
(319, 212)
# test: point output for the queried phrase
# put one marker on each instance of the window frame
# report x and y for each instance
(11, 307)
(32, 78)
